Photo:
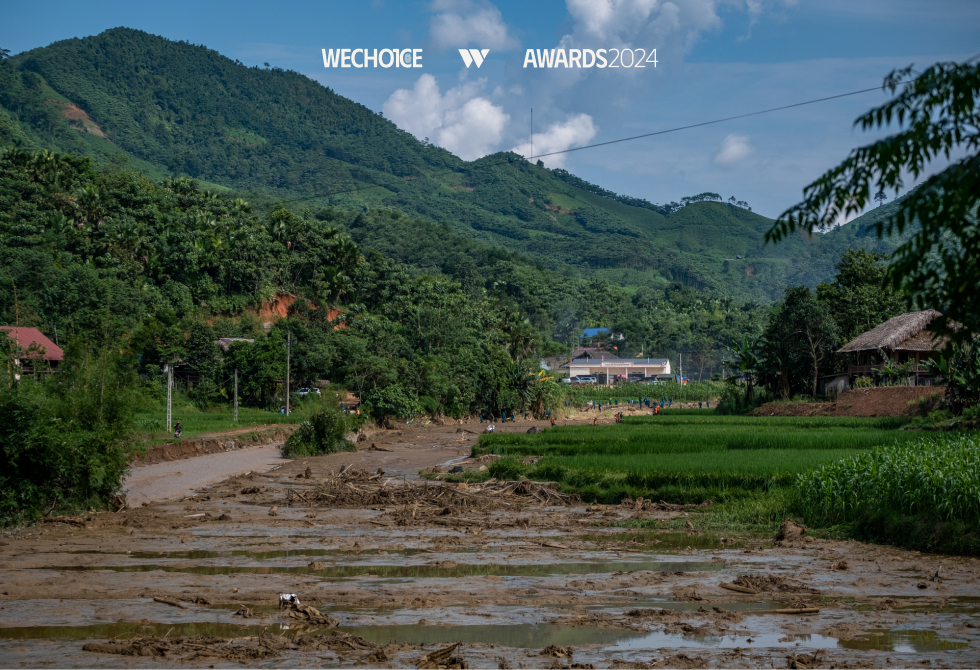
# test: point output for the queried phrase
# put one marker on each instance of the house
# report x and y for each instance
(33, 351)
(607, 368)
(902, 338)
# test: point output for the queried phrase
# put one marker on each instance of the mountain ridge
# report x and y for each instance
(171, 107)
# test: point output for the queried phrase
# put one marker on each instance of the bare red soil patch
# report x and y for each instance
(870, 402)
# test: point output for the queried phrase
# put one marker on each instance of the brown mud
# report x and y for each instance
(394, 571)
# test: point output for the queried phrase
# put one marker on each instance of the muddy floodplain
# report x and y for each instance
(393, 572)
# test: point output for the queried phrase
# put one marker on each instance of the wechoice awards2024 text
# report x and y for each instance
(581, 58)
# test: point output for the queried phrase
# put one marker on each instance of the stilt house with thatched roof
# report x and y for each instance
(902, 338)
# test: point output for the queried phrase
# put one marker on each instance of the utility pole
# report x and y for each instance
(236, 396)
(288, 341)
(532, 135)
(170, 384)
(680, 366)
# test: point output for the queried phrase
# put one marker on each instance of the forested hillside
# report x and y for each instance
(110, 256)
(135, 100)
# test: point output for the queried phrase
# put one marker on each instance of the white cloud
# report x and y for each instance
(460, 23)
(613, 22)
(576, 131)
(734, 148)
(460, 121)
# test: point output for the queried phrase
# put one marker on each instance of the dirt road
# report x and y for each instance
(176, 479)
(397, 569)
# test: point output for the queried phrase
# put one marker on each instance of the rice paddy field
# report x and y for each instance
(686, 456)
(868, 478)
(690, 392)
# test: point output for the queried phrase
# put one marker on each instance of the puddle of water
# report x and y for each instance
(903, 641)
(672, 541)
(659, 639)
(515, 635)
(421, 571)
(279, 553)
(519, 635)
(667, 603)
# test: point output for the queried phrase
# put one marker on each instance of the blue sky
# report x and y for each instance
(716, 58)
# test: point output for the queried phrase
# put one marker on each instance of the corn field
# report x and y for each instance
(939, 476)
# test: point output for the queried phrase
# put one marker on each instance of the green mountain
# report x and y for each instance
(169, 108)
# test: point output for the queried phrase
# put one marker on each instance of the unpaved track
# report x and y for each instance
(177, 479)
(521, 585)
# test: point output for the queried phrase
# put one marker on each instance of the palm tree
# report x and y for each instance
(91, 202)
(745, 361)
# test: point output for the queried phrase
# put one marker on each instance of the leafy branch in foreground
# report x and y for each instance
(939, 111)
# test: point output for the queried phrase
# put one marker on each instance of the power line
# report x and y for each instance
(602, 144)
(626, 139)
(706, 123)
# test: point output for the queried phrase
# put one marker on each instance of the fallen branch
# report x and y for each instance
(554, 545)
(791, 610)
(170, 601)
(65, 519)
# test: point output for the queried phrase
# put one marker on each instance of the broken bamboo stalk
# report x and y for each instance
(738, 589)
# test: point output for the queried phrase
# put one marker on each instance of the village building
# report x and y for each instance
(606, 367)
(32, 351)
(902, 338)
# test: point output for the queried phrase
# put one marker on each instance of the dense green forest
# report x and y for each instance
(156, 196)
(135, 100)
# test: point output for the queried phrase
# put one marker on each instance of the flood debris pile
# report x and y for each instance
(645, 505)
(755, 584)
(310, 615)
(251, 648)
(791, 534)
(354, 488)
(442, 659)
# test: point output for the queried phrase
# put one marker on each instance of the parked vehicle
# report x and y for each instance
(586, 380)
(306, 392)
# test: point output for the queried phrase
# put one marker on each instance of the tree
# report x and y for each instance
(799, 339)
(812, 322)
(744, 361)
(939, 115)
(860, 296)
(881, 197)
(960, 374)
(4, 54)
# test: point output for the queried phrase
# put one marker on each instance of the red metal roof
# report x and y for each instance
(25, 337)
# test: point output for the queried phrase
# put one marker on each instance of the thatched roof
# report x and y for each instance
(904, 332)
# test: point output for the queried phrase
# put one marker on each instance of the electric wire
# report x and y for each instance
(626, 139)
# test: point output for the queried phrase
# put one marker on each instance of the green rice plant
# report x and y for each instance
(760, 470)
(687, 435)
(690, 392)
(699, 417)
(680, 478)
(938, 477)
